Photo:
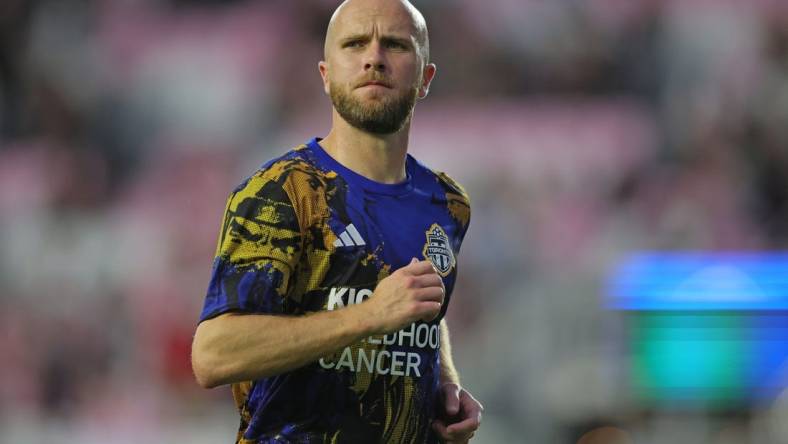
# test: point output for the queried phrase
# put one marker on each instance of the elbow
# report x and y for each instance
(205, 362)
(206, 382)
(203, 375)
(203, 371)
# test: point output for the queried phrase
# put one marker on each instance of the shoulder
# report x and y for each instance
(292, 180)
(281, 171)
(453, 187)
(442, 179)
(458, 200)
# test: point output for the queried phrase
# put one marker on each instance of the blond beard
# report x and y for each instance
(385, 116)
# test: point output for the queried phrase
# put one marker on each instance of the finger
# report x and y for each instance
(429, 294)
(419, 268)
(451, 398)
(440, 428)
(447, 435)
(427, 311)
(471, 405)
(467, 425)
(414, 267)
(428, 280)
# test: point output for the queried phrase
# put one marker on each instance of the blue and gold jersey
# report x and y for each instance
(306, 234)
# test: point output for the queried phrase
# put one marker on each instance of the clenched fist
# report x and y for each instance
(414, 292)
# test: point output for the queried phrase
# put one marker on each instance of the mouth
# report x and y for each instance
(375, 83)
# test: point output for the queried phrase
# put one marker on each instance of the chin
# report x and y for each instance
(374, 93)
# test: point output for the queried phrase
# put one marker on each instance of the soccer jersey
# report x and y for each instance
(306, 234)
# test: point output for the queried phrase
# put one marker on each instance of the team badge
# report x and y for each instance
(437, 249)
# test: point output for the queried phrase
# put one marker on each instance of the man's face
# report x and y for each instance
(374, 69)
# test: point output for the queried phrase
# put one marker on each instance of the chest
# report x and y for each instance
(397, 229)
(366, 238)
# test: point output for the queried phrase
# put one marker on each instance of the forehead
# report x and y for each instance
(369, 17)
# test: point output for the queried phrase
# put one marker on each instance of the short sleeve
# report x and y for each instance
(258, 250)
(459, 207)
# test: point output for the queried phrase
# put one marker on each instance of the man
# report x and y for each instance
(336, 263)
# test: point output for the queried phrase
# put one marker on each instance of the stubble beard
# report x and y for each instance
(382, 116)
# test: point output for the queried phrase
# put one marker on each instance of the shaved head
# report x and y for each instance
(376, 63)
(346, 12)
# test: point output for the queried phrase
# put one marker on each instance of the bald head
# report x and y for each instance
(352, 13)
(376, 64)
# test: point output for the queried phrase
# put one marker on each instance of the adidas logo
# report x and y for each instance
(349, 238)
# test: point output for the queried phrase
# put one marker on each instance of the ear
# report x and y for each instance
(427, 76)
(322, 66)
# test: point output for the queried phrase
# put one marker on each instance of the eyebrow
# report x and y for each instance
(384, 39)
(392, 39)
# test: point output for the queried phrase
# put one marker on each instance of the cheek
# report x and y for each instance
(344, 66)
(416, 81)
(412, 74)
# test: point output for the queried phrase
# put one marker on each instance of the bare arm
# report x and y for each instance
(448, 370)
(242, 347)
(460, 414)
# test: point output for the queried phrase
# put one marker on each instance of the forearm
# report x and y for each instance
(244, 347)
(448, 371)
(459, 414)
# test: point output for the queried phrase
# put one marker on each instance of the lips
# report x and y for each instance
(375, 83)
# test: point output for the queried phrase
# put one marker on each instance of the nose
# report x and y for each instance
(374, 59)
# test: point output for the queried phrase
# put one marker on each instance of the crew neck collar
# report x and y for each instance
(366, 183)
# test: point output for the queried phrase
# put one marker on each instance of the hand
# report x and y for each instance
(460, 414)
(414, 292)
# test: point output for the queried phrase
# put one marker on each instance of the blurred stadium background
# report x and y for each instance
(627, 160)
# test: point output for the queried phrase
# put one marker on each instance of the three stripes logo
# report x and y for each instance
(349, 238)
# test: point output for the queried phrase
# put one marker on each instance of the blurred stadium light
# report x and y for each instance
(705, 329)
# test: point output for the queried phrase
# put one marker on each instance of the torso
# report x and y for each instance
(353, 233)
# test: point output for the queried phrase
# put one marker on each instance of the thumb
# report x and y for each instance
(413, 261)
(451, 398)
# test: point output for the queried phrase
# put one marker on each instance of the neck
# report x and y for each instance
(379, 157)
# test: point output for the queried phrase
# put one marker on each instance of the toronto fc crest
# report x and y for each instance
(438, 250)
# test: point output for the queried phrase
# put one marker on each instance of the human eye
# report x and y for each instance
(396, 44)
(353, 44)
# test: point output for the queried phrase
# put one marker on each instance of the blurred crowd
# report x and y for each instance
(583, 130)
